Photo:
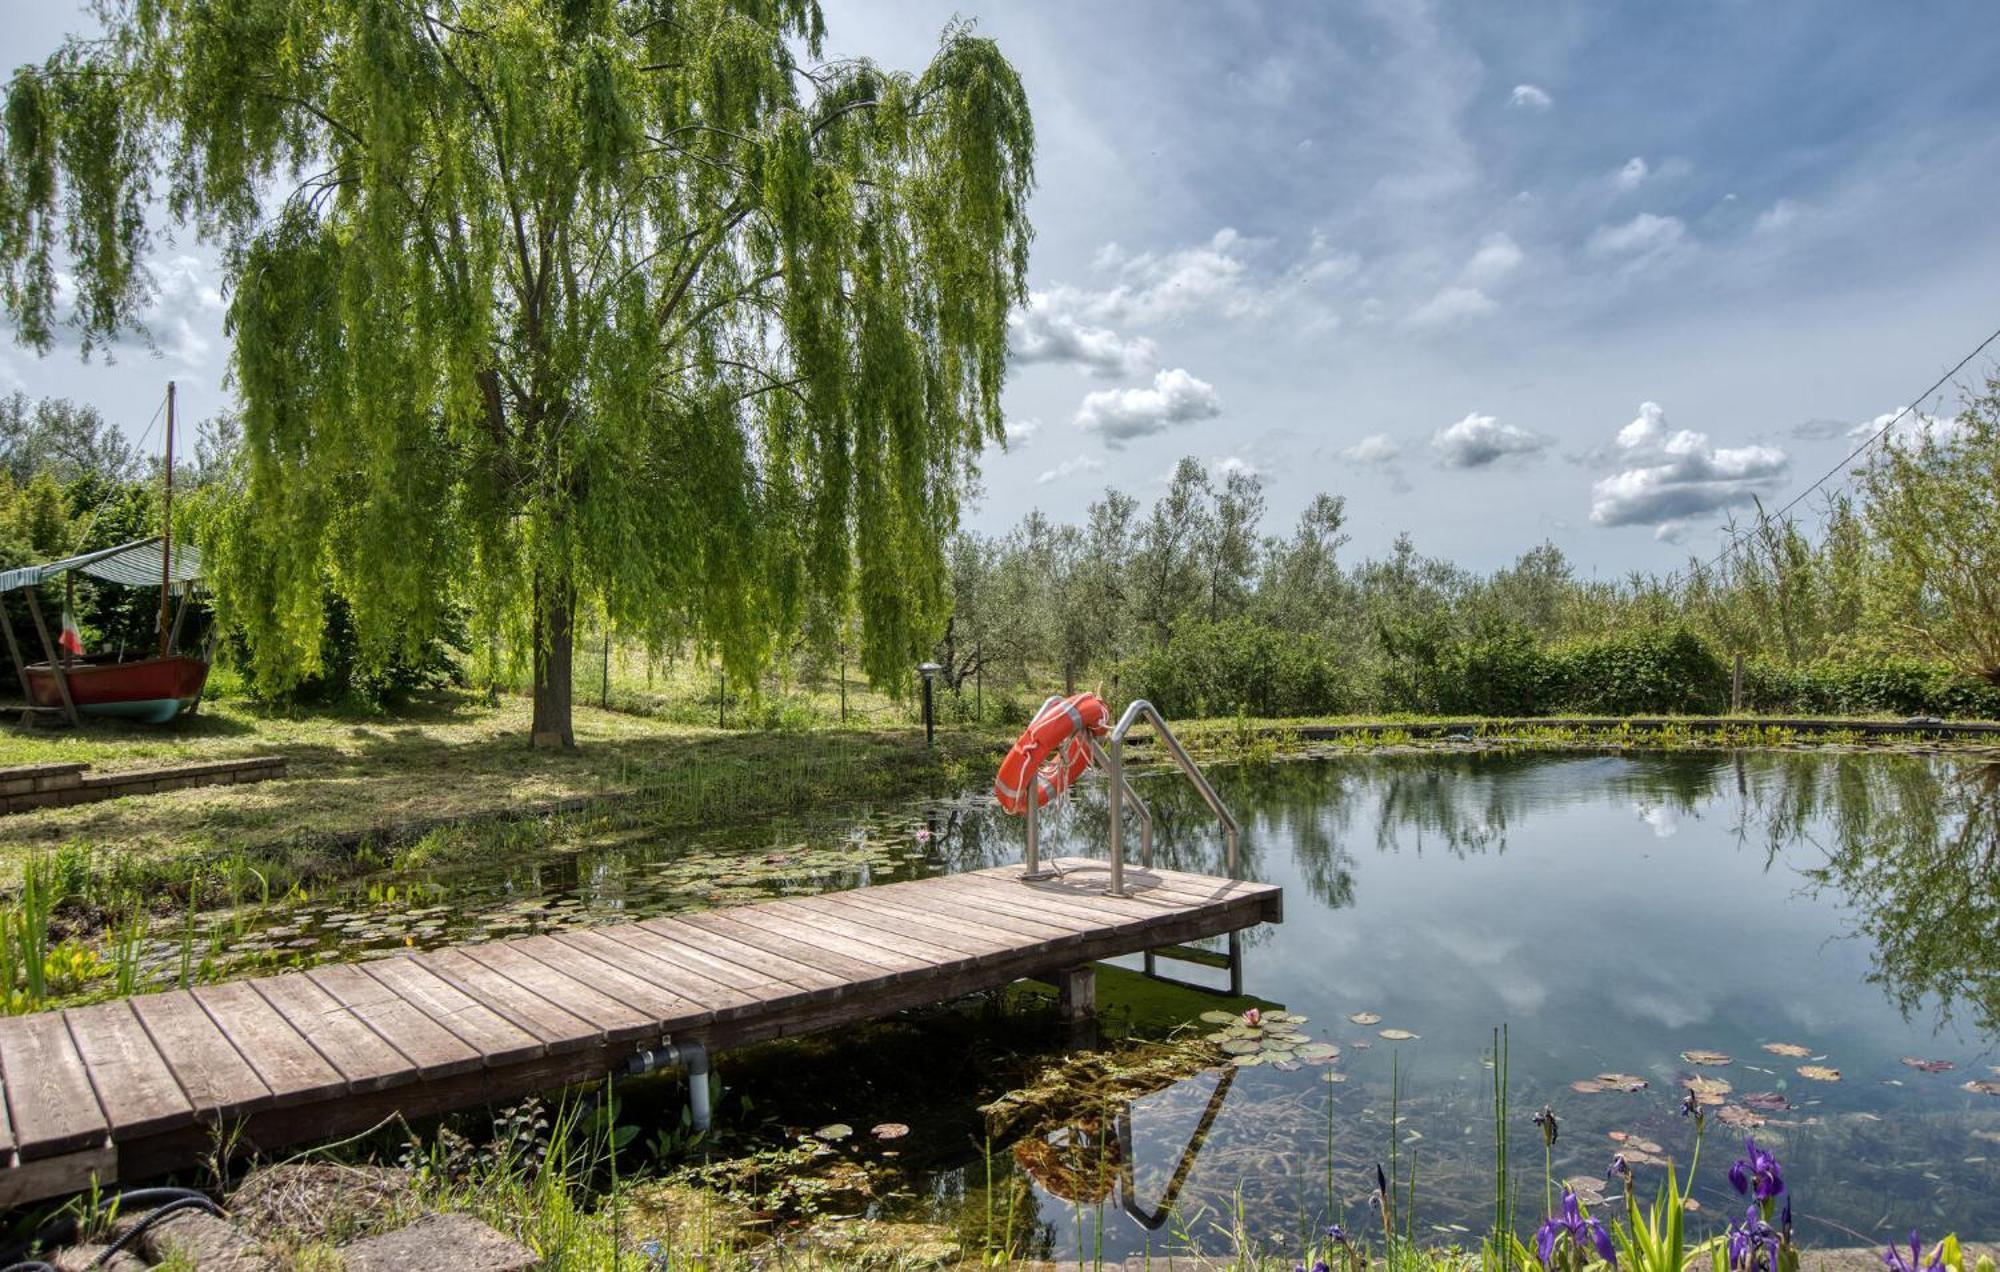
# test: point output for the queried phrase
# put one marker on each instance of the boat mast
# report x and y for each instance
(167, 526)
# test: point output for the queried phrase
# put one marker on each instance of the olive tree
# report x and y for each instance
(538, 303)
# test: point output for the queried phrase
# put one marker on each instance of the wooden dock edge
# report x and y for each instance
(267, 1130)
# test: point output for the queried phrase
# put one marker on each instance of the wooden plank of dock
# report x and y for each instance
(139, 1087)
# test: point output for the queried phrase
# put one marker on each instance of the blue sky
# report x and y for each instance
(1594, 273)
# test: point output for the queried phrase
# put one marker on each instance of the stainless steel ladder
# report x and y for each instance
(1109, 755)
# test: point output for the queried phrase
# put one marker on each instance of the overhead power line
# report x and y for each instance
(1737, 540)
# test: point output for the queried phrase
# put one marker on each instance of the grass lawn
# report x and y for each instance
(451, 756)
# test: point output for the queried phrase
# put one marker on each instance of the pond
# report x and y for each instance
(1825, 927)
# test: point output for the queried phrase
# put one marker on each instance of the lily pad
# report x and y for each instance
(1737, 1116)
(1319, 1053)
(1791, 1049)
(1587, 1086)
(1929, 1066)
(1247, 1060)
(1711, 1092)
(1219, 1017)
(1819, 1073)
(1365, 1018)
(1979, 1086)
(1287, 1066)
(1704, 1057)
(890, 1131)
(1242, 1047)
(1332, 1076)
(834, 1131)
(1398, 1035)
(1767, 1101)
(1627, 1082)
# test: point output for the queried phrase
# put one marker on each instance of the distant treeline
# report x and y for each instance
(1888, 602)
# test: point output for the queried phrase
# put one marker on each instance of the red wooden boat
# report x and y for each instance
(150, 690)
(153, 690)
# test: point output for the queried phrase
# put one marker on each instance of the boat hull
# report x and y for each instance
(149, 690)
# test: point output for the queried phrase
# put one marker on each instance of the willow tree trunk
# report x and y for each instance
(555, 633)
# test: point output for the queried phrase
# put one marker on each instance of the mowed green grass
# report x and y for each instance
(450, 756)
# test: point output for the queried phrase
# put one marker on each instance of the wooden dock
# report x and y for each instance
(141, 1087)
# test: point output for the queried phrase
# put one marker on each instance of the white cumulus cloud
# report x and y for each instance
(1450, 306)
(1479, 440)
(1780, 216)
(1152, 287)
(1633, 174)
(1907, 427)
(1496, 258)
(1645, 237)
(1376, 448)
(1674, 475)
(1530, 97)
(1019, 431)
(1175, 397)
(1070, 468)
(1049, 329)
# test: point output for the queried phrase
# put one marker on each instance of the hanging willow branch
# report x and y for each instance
(512, 283)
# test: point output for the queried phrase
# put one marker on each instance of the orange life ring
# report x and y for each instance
(1049, 752)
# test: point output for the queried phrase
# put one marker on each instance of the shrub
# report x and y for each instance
(1500, 673)
(1670, 671)
(1875, 686)
(1216, 669)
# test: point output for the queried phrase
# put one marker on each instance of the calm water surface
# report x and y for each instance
(1612, 911)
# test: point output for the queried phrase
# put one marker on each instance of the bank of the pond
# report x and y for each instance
(454, 770)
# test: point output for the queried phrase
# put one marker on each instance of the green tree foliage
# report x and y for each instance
(545, 303)
(1934, 507)
(62, 439)
(1887, 605)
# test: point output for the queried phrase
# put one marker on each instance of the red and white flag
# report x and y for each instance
(71, 639)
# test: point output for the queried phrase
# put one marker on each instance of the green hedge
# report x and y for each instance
(1876, 686)
(1240, 666)
(1219, 669)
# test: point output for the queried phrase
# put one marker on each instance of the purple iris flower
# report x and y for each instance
(1337, 1235)
(1570, 1221)
(1317, 1267)
(1897, 1263)
(1750, 1240)
(1620, 1168)
(1756, 1173)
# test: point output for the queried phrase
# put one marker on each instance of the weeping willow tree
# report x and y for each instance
(538, 304)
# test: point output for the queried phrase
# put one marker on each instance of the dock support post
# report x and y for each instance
(1076, 993)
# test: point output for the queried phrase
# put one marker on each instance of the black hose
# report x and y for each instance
(31, 1265)
(190, 1200)
(63, 1230)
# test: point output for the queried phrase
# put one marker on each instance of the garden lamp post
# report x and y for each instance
(930, 671)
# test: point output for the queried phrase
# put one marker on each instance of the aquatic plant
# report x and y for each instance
(1753, 1245)
(1573, 1232)
(1757, 1174)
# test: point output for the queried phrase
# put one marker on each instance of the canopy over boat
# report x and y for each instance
(134, 564)
(154, 690)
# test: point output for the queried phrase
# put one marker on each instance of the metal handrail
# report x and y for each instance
(1115, 769)
(1110, 756)
(1031, 865)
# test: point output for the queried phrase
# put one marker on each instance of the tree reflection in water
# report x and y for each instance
(1915, 855)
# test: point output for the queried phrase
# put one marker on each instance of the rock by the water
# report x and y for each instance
(440, 1243)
